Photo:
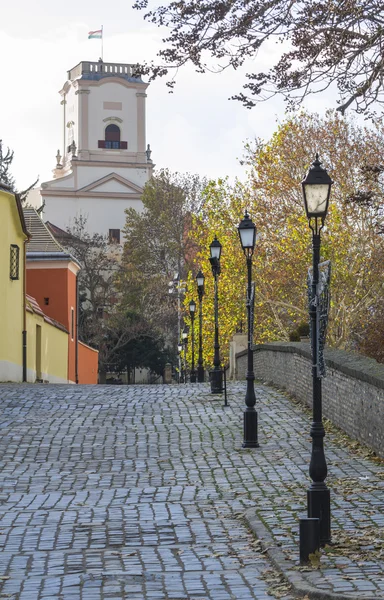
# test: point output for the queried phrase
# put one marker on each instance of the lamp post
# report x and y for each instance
(180, 350)
(192, 310)
(177, 287)
(200, 290)
(316, 191)
(216, 373)
(184, 336)
(247, 233)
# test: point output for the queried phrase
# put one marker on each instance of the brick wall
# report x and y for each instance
(353, 389)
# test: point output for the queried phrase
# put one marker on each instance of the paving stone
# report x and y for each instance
(138, 491)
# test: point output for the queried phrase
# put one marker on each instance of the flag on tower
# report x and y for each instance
(95, 35)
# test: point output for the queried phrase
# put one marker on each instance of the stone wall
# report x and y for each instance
(353, 389)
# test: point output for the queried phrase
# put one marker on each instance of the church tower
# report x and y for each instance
(104, 162)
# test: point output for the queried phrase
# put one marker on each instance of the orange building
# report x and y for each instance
(52, 281)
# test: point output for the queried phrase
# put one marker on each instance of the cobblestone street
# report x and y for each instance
(139, 492)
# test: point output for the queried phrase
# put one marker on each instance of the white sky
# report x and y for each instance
(195, 129)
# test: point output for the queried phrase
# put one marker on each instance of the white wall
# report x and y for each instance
(102, 213)
(87, 175)
(112, 92)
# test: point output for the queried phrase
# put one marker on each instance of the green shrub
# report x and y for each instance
(294, 336)
(303, 329)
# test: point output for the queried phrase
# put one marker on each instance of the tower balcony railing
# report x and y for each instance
(90, 70)
(112, 145)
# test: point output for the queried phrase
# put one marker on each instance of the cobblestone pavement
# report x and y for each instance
(111, 492)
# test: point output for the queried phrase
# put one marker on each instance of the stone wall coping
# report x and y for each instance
(352, 364)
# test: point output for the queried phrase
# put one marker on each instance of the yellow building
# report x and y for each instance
(47, 346)
(33, 347)
(13, 236)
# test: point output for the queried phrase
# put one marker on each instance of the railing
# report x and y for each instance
(101, 68)
(112, 145)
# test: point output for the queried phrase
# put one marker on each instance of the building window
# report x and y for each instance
(114, 236)
(46, 301)
(14, 261)
(112, 139)
(72, 323)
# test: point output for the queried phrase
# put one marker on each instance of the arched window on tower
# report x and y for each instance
(112, 139)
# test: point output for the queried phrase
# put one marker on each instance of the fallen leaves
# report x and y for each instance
(278, 586)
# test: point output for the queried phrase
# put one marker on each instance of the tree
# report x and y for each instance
(158, 245)
(223, 206)
(99, 265)
(105, 321)
(369, 192)
(273, 196)
(146, 351)
(118, 334)
(323, 43)
(6, 159)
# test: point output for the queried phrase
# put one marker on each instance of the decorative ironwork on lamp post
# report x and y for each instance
(247, 233)
(200, 290)
(316, 191)
(192, 310)
(217, 373)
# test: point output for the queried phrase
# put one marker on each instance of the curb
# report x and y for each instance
(299, 585)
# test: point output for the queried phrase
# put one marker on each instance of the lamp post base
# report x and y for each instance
(216, 377)
(250, 428)
(192, 377)
(200, 374)
(319, 506)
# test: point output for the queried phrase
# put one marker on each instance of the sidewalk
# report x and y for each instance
(353, 565)
(144, 493)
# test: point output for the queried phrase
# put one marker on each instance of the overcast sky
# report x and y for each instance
(195, 129)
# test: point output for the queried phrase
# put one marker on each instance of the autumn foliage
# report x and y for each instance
(272, 194)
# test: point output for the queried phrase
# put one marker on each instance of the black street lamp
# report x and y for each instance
(192, 310)
(200, 290)
(247, 233)
(176, 287)
(316, 191)
(216, 373)
(180, 350)
(184, 336)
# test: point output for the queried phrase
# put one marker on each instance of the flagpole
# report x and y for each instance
(102, 57)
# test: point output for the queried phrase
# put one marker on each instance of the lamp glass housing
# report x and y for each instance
(215, 249)
(200, 279)
(316, 190)
(179, 348)
(184, 335)
(316, 197)
(192, 306)
(247, 233)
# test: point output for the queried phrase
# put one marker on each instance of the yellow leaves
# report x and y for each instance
(283, 253)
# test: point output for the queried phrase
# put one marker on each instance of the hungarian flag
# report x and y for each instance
(95, 35)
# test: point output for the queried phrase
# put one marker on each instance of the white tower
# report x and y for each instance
(105, 161)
